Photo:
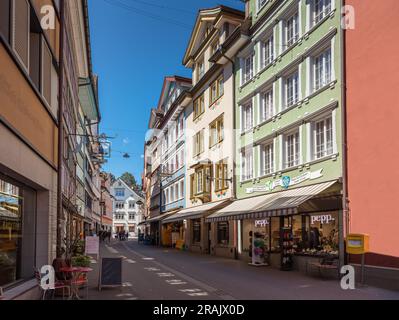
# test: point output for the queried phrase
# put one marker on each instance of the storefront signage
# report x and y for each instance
(323, 219)
(286, 182)
(261, 223)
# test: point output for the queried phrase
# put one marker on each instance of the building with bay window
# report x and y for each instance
(209, 136)
(288, 143)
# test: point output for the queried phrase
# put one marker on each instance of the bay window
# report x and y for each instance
(221, 177)
(223, 233)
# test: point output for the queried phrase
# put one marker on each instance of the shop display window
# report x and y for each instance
(316, 234)
(223, 233)
(260, 229)
(196, 231)
(275, 234)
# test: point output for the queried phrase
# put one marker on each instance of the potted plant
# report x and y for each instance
(81, 261)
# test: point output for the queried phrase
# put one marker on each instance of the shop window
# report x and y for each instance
(17, 232)
(5, 6)
(21, 31)
(223, 233)
(196, 231)
(259, 228)
(275, 234)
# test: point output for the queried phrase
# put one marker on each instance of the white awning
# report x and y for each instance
(196, 212)
(275, 204)
(159, 217)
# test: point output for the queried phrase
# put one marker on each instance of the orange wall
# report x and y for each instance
(20, 107)
(372, 62)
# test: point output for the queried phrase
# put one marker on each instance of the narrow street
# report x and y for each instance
(151, 273)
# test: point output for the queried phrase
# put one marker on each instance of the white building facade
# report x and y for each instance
(127, 209)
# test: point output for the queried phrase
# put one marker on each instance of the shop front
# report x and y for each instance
(196, 234)
(288, 229)
(155, 229)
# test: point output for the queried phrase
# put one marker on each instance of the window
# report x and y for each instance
(221, 177)
(119, 192)
(216, 129)
(215, 47)
(119, 216)
(17, 232)
(261, 3)
(268, 52)
(200, 69)
(223, 233)
(200, 181)
(21, 29)
(248, 68)
(46, 72)
(292, 150)
(322, 69)
(132, 216)
(119, 205)
(267, 106)
(5, 6)
(176, 191)
(196, 230)
(193, 190)
(323, 138)
(291, 30)
(321, 9)
(247, 164)
(291, 89)
(172, 193)
(267, 158)
(131, 204)
(181, 189)
(199, 107)
(247, 117)
(199, 143)
(216, 90)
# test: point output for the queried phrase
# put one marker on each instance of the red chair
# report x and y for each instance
(57, 286)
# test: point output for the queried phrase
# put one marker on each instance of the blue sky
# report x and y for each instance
(135, 43)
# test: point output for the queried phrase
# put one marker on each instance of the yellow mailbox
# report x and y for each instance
(357, 243)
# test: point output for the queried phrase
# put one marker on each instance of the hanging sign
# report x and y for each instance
(286, 182)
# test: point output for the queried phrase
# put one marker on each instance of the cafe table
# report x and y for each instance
(75, 282)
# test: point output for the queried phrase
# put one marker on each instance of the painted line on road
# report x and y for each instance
(112, 250)
(165, 275)
(186, 277)
(152, 269)
(176, 282)
(130, 261)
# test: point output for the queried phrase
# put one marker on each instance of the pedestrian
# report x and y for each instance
(109, 236)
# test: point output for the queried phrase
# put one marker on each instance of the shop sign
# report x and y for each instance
(261, 223)
(323, 219)
(286, 182)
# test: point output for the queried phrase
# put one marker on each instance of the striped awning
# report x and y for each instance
(196, 212)
(159, 217)
(271, 205)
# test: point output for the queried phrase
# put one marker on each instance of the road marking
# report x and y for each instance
(185, 277)
(176, 282)
(148, 259)
(198, 294)
(112, 250)
(126, 284)
(152, 269)
(165, 275)
(130, 261)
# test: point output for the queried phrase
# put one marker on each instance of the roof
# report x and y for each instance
(211, 14)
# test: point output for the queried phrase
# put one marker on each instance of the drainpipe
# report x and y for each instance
(345, 201)
(60, 129)
(234, 189)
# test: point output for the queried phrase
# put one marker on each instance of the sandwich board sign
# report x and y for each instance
(92, 246)
(110, 273)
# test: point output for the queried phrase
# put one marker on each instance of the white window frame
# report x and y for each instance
(296, 149)
(326, 7)
(260, 4)
(325, 150)
(181, 196)
(267, 105)
(247, 164)
(290, 41)
(295, 89)
(248, 68)
(325, 74)
(267, 152)
(246, 110)
(267, 50)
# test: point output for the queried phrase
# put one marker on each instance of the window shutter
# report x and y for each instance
(21, 30)
(46, 72)
(5, 19)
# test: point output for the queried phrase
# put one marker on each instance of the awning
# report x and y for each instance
(159, 218)
(196, 212)
(276, 204)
